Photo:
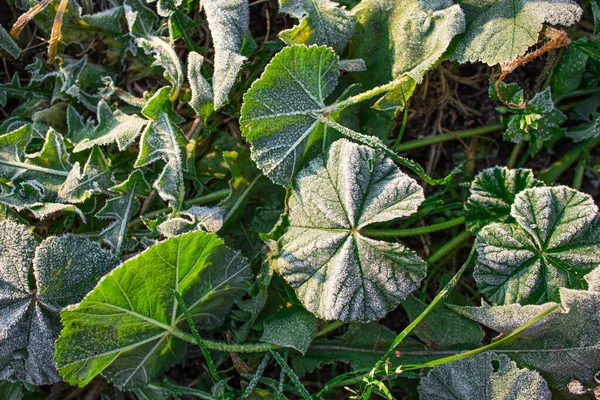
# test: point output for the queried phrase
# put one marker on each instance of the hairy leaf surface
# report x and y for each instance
(202, 93)
(8, 44)
(97, 175)
(554, 243)
(129, 327)
(337, 272)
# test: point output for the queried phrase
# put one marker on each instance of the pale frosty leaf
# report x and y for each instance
(8, 44)
(97, 176)
(140, 19)
(129, 328)
(121, 208)
(337, 272)
(322, 22)
(555, 242)
(279, 111)
(228, 23)
(165, 57)
(354, 65)
(202, 94)
(563, 346)
(502, 30)
(112, 127)
(209, 219)
(397, 37)
(492, 194)
(487, 376)
(162, 140)
(292, 327)
(64, 269)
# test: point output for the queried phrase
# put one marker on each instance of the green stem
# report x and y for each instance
(579, 172)
(293, 377)
(474, 352)
(449, 246)
(404, 122)
(577, 93)
(558, 168)
(514, 155)
(182, 390)
(427, 141)
(227, 347)
(414, 231)
(441, 296)
(368, 94)
(375, 143)
(214, 196)
(330, 328)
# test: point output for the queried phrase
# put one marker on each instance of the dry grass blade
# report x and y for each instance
(55, 35)
(28, 16)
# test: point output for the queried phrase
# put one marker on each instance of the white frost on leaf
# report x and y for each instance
(338, 273)
(554, 243)
(202, 93)
(487, 376)
(209, 219)
(97, 175)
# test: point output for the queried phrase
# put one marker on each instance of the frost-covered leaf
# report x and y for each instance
(64, 269)
(486, 376)
(510, 93)
(165, 7)
(202, 94)
(209, 219)
(31, 94)
(585, 131)
(540, 119)
(97, 176)
(563, 346)
(502, 30)
(111, 127)
(129, 328)
(166, 58)
(163, 140)
(228, 23)
(141, 20)
(337, 272)
(8, 44)
(554, 243)
(121, 208)
(397, 37)
(322, 22)
(441, 328)
(291, 326)
(492, 194)
(568, 74)
(280, 109)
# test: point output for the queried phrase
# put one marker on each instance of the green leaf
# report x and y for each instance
(97, 176)
(492, 194)
(568, 74)
(209, 219)
(397, 37)
(441, 328)
(112, 127)
(129, 327)
(291, 326)
(140, 19)
(202, 94)
(540, 119)
(228, 23)
(338, 273)
(121, 208)
(585, 131)
(322, 22)
(31, 94)
(64, 269)
(11, 390)
(486, 376)
(165, 57)
(511, 93)
(8, 44)
(279, 111)
(555, 241)
(502, 30)
(563, 346)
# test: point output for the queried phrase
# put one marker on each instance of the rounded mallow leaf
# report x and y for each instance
(492, 194)
(554, 243)
(338, 273)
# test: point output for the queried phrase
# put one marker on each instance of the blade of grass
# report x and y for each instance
(293, 377)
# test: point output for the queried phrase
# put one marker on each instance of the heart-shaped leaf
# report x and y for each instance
(337, 272)
(554, 243)
(129, 328)
(64, 268)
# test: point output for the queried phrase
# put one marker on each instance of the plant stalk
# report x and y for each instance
(368, 94)
(449, 247)
(414, 231)
(429, 140)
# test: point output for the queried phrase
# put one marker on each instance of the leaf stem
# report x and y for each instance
(429, 140)
(559, 167)
(293, 377)
(449, 247)
(368, 94)
(413, 231)
(330, 328)
(440, 297)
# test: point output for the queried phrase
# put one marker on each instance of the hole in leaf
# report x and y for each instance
(495, 365)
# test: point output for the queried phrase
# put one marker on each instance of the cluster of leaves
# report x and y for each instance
(269, 243)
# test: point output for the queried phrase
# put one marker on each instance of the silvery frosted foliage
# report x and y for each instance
(279, 114)
(554, 243)
(202, 94)
(492, 194)
(64, 268)
(321, 22)
(120, 209)
(338, 273)
(97, 175)
(163, 140)
(502, 30)
(165, 57)
(562, 346)
(116, 127)
(478, 378)
(8, 44)
(209, 219)
(228, 23)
